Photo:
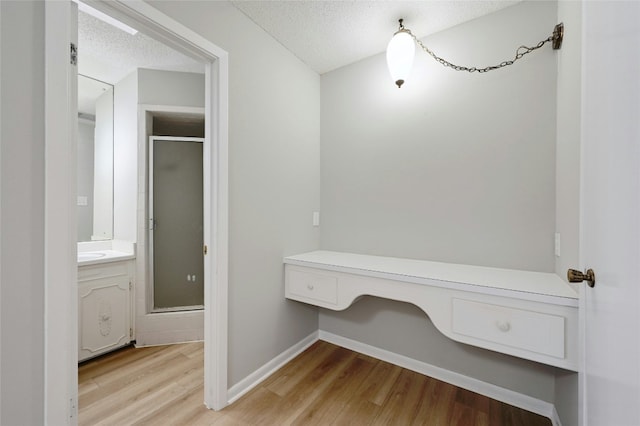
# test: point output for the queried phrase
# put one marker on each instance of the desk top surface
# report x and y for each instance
(540, 286)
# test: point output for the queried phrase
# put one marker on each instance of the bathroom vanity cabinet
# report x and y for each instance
(104, 307)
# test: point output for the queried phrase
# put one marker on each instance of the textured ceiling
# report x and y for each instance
(330, 34)
(88, 91)
(109, 54)
(324, 34)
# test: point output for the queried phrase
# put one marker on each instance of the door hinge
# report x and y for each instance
(73, 54)
(73, 410)
(204, 249)
(130, 286)
(131, 333)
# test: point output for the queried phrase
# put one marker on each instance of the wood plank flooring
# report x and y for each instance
(325, 385)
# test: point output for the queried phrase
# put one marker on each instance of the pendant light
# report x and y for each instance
(402, 48)
(400, 53)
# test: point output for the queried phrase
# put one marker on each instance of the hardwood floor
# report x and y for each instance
(325, 385)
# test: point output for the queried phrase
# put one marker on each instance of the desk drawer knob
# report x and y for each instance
(503, 326)
(310, 286)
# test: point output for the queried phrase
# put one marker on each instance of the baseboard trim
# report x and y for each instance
(255, 378)
(507, 396)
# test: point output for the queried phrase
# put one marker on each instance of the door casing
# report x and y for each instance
(61, 311)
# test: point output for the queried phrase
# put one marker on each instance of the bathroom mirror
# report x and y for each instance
(95, 159)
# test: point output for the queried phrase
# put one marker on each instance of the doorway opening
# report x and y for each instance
(61, 360)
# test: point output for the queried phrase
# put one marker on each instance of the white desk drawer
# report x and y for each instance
(518, 328)
(309, 285)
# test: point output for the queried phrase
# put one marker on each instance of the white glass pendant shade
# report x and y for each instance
(400, 53)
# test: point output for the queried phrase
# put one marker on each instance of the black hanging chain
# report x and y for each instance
(556, 38)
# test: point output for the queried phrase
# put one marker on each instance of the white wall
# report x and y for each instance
(22, 219)
(125, 157)
(452, 167)
(274, 181)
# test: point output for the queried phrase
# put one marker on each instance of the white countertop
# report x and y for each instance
(537, 285)
(102, 256)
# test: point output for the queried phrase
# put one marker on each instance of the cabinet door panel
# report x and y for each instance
(104, 308)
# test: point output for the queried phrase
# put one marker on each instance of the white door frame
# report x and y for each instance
(60, 221)
(60, 396)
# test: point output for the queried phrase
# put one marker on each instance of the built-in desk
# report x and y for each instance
(531, 315)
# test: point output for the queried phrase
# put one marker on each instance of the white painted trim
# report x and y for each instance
(492, 391)
(555, 418)
(171, 337)
(138, 13)
(1, 144)
(171, 108)
(216, 297)
(60, 261)
(144, 272)
(135, 345)
(61, 380)
(255, 378)
(176, 138)
(583, 412)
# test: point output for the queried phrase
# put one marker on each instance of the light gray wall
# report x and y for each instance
(274, 136)
(568, 178)
(157, 87)
(22, 219)
(151, 87)
(452, 167)
(85, 178)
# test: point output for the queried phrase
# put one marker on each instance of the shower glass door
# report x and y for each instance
(176, 223)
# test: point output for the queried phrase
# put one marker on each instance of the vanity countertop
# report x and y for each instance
(102, 256)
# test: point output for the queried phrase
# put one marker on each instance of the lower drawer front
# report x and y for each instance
(528, 330)
(314, 286)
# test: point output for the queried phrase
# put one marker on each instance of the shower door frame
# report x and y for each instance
(151, 305)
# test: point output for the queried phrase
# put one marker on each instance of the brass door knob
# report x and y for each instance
(575, 276)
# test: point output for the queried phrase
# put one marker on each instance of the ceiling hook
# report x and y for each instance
(558, 34)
